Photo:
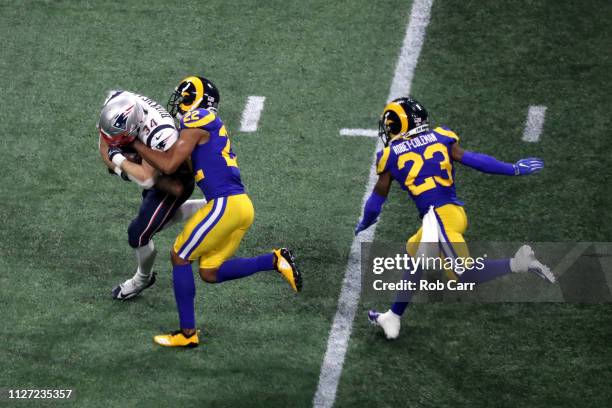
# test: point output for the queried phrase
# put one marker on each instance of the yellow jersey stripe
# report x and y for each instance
(382, 163)
(448, 133)
(201, 122)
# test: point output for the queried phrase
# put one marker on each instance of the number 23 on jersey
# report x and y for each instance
(417, 161)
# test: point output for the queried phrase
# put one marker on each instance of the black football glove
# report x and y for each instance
(113, 151)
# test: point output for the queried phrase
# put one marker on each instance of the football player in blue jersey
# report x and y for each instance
(213, 234)
(422, 161)
(124, 117)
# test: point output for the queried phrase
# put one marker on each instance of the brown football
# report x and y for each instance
(133, 157)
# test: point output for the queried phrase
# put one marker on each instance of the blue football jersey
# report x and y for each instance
(215, 167)
(423, 166)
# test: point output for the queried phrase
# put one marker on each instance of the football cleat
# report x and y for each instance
(130, 288)
(285, 265)
(525, 261)
(177, 339)
(543, 271)
(389, 321)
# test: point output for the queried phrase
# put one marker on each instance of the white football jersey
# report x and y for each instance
(158, 131)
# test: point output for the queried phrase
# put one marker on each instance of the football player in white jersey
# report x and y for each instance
(124, 117)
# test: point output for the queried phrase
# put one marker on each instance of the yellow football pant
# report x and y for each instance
(453, 223)
(214, 232)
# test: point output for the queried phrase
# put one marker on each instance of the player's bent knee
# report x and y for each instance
(176, 260)
(209, 275)
(135, 238)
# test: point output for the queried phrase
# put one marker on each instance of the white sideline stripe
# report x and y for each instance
(359, 132)
(251, 113)
(534, 123)
(606, 267)
(340, 333)
(411, 48)
(570, 259)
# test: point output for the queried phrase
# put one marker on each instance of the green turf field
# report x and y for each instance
(322, 66)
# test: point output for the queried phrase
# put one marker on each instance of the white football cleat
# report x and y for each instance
(542, 271)
(389, 321)
(130, 288)
(525, 261)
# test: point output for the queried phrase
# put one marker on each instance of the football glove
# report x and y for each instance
(115, 155)
(530, 165)
(114, 151)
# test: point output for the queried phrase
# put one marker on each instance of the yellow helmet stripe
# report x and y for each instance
(397, 108)
(199, 87)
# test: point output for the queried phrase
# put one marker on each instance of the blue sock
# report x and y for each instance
(184, 293)
(403, 298)
(493, 268)
(237, 268)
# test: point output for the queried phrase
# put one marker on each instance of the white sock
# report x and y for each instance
(145, 256)
(185, 211)
(513, 267)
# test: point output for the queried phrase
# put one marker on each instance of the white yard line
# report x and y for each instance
(604, 250)
(251, 114)
(534, 123)
(340, 333)
(570, 258)
(359, 132)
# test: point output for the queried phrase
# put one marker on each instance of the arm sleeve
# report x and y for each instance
(372, 209)
(487, 164)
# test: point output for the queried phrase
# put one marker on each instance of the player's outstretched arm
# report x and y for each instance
(489, 164)
(169, 161)
(374, 203)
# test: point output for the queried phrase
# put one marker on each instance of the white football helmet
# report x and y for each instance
(121, 118)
